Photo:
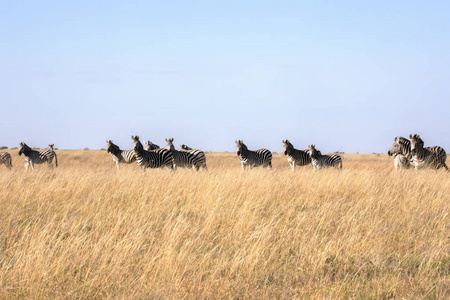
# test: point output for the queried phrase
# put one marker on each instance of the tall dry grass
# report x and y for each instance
(86, 230)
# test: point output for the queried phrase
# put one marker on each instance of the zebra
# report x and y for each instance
(260, 157)
(433, 157)
(187, 158)
(150, 146)
(320, 161)
(151, 159)
(5, 158)
(38, 157)
(199, 153)
(296, 157)
(401, 149)
(118, 155)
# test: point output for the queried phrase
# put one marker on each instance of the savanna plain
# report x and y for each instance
(85, 230)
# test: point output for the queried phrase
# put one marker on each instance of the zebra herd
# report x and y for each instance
(407, 154)
(155, 157)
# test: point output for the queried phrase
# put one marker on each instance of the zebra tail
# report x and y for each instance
(56, 160)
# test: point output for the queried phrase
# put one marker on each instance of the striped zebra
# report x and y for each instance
(187, 158)
(260, 157)
(150, 146)
(199, 153)
(296, 157)
(158, 158)
(5, 158)
(38, 157)
(320, 161)
(118, 155)
(401, 149)
(433, 157)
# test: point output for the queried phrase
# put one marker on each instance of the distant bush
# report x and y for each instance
(86, 149)
(3, 148)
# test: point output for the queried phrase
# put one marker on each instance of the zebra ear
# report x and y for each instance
(171, 140)
(410, 136)
(236, 142)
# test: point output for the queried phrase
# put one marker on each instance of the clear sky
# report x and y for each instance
(343, 75)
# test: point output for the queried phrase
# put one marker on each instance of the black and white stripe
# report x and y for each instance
(5, 158)
(320, 161)
(150, 146)
(260, 157)
(152, 159)
(295, 156)
(187, 158)
(38, 157)
(431, 157)
(120, 156)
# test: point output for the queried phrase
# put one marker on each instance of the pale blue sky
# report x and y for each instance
(343, 75)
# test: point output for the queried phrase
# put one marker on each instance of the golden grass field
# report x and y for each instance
(87, 231)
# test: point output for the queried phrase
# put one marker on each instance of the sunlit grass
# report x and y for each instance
(86, 230)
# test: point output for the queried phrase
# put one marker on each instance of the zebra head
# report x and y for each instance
(150, 146)
(170, 145)
(416, 143)
(313, 152)
(240, 147)
(288, 147)
(396, 147)
(51, 146)
(111, 147)
(137, 144)
(184, 147)
(23, 148)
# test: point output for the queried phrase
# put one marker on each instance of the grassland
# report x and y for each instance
(87, 231)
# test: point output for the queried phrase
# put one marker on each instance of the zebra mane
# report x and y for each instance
(403, 141)
(184, 147)
(25, 146)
